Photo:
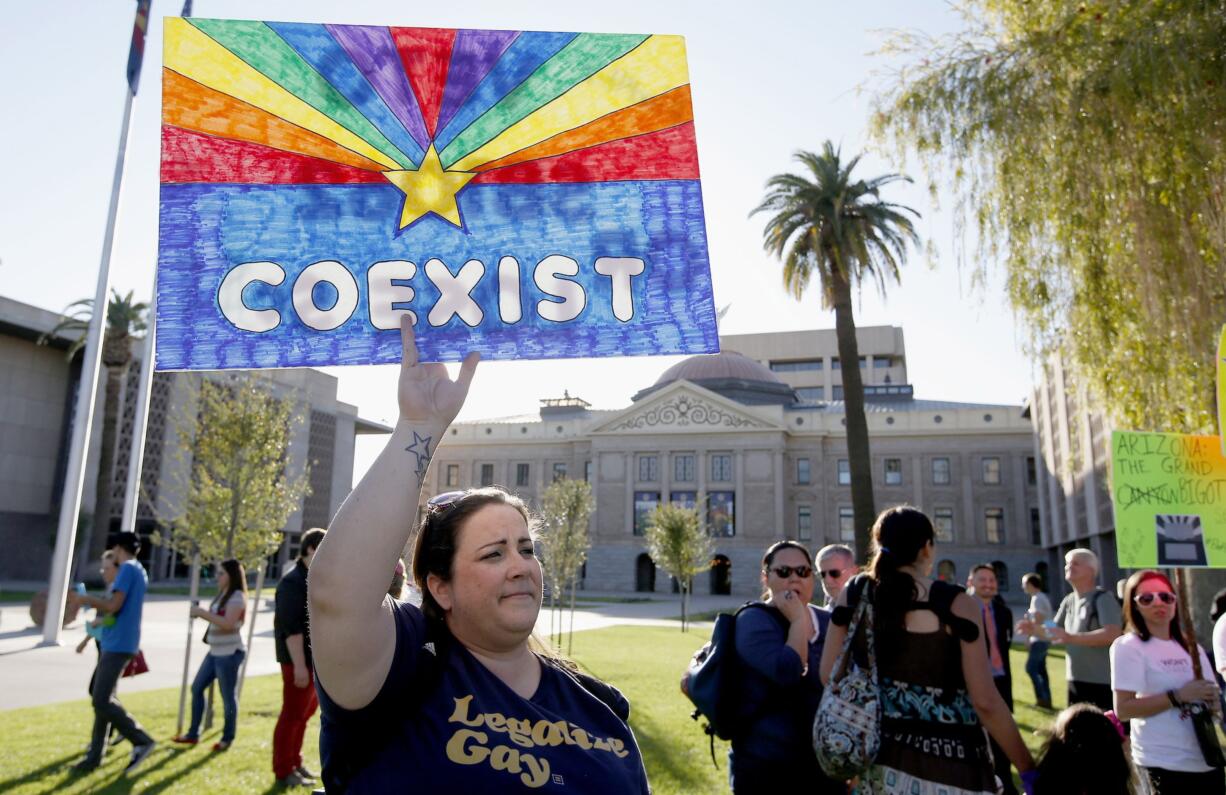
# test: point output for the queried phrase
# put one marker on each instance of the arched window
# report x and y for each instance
(644, 573)
(1002, 575)
(1040, 569)
(721, 576)
(947, 571)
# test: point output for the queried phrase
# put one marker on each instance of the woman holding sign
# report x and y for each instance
(1156, 689)
(450, 696)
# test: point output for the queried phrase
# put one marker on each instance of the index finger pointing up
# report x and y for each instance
(408, 341)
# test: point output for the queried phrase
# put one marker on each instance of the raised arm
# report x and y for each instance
(352, 633)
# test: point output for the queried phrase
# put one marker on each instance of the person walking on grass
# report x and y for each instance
(293, 640)
(1088, 620)
(225, 617)
(1038, 614)
(119, 644)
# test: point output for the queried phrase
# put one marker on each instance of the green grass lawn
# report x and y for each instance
(39, 743)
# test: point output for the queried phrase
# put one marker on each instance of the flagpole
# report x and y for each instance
(87, 389)
(140, 422)
(83, 416)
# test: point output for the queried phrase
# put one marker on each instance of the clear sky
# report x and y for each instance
(768, 78)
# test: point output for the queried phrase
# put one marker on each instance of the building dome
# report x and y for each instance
(730, 374)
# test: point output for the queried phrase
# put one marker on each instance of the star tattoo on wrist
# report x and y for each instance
(420, 448)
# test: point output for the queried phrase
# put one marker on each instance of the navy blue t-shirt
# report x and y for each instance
(446, 724)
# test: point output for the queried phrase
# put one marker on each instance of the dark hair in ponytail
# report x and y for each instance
(899, 535)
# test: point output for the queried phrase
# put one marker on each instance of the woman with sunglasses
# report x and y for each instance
(1154, 683)
(779, 643)
(937, 693)
(450, 696)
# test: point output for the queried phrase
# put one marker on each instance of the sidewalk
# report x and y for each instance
(53, 674)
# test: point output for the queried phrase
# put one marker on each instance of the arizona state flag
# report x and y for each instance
(525, 194)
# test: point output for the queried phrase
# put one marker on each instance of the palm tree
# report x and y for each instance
(827, 223)
(124, 318)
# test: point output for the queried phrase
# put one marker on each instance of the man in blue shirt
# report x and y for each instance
(119, 645)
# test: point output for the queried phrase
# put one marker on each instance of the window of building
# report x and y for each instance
(881, 362)
(804, 523)
(487, 474)
(721, 513)
(1032, 473)
(587, 471)
(1036, 527)
(796, 365)
(994, 525)
(644, 503)
(521, 474)
(559, 471)
(844, 472)
(991, 470)
(810, 395)
(721, 467)
(943, 524)
(453, 474)
(893, 472)
(940, 471)
(684, 499)
(683, 468)
(1002, 575)
(836, 392)
(835, 364)
(648, 468)
(847, 524)
(803, 471)
(947, 571)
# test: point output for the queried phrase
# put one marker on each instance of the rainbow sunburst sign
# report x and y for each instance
(524, 194)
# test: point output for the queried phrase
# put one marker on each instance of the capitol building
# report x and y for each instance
(754, 437)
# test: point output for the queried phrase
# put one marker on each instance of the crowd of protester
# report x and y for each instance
(437, 682)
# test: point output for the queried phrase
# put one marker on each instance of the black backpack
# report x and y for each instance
(712, 679)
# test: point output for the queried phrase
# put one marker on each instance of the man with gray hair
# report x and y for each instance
(836, 564)
(1086, 622)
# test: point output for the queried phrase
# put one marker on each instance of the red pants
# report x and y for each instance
(298, 704)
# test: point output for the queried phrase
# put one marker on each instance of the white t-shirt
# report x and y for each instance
(1152, 667)
(1219, 643)
(1040, 611)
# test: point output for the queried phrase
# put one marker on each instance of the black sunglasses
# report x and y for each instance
(832, 574)
(1147, 599)
(441, 502)
(786, 571)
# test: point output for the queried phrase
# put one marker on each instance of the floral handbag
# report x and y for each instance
(847, 728)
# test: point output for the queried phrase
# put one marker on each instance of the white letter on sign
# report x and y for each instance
(230, 296)
(621, 271)
(509, 307)
(455, 298)
(571, 293)
(382, 292)
(339, 277)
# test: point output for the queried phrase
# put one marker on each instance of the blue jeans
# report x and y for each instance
(1036, 667)
(225, 671)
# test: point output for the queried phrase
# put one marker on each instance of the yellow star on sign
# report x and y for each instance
(429, 189)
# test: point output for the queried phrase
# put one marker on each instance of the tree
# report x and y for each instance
(124, 319)
(237, 492)
(566, 507)
(1085, 145)
(826, 223)
(678, 544)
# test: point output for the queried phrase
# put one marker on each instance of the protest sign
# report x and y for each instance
(1170, 500)
(522, 194)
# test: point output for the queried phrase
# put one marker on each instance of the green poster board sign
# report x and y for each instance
(1169, 492)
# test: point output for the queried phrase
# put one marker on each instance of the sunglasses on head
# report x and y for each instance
(832, 574)
(1147, 599)
(441, 502)
(784, 572)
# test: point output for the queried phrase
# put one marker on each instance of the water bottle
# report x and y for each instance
(79, 588)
